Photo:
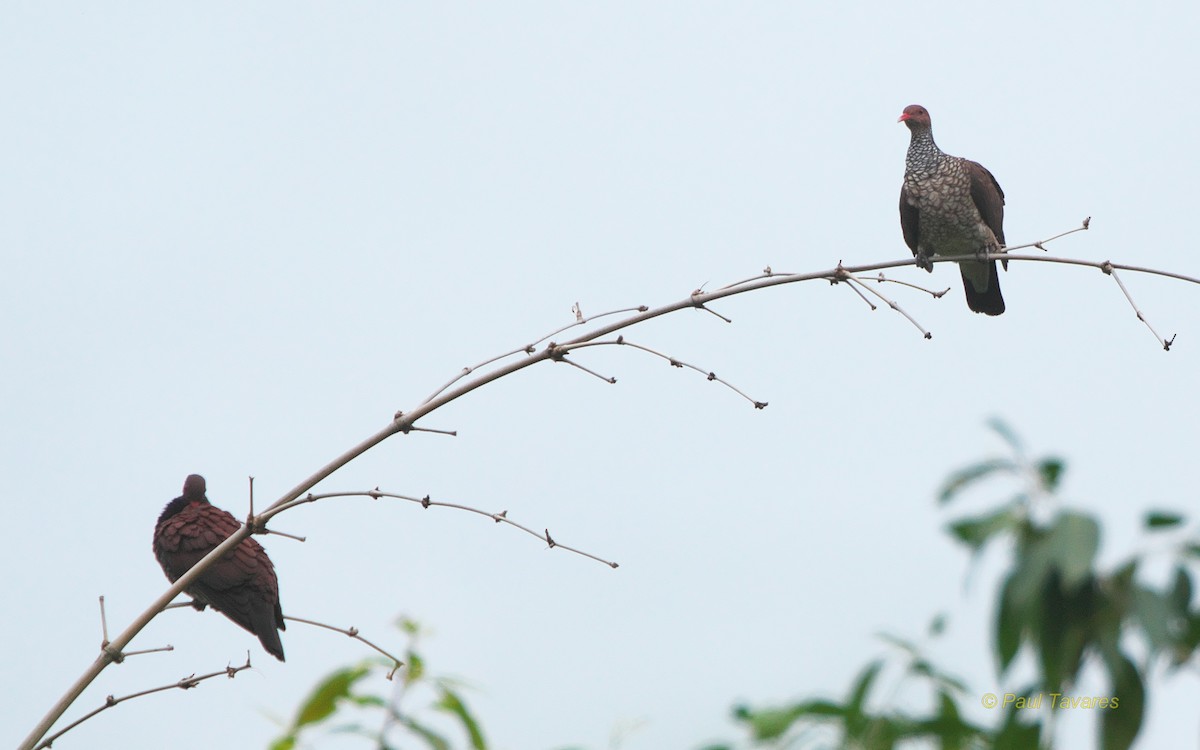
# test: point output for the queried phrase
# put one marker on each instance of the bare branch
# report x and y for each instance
(404, 422)
(352, 632)
(529, 348)
(186, 683)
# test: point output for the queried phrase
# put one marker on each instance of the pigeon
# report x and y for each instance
(241, 585)
(951, 206)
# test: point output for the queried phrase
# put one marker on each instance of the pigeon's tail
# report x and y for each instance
(268, 636)
(982, 286)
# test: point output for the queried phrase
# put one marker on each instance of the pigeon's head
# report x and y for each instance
(194, 487)
(915, 117)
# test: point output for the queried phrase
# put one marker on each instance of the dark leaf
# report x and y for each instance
(1121, 723)
(1017, 736)
(1010, 624)
(1050, 471)
(1181, 592)
(1157, 520)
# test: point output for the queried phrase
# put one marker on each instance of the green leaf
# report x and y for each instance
(1075, 539)
(323, 700)
(975, 532)
(286, 742)
(1157, 520)
(937, 625)
(1050, 471)
(963, 478)
(1121, 724)
(451, 703)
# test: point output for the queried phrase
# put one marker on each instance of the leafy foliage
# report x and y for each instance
(390, 718)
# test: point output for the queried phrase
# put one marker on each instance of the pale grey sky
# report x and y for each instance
(236, 239)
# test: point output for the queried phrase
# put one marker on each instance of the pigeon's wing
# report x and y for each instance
(241, 585)
(910, 219)
(988, 197)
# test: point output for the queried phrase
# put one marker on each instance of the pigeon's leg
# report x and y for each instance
(923, 261)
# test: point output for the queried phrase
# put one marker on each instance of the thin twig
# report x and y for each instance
(353, 633)
(427, 502)
(880, 278)
(856, 283)
(708, 374)
(1166, 345)
(606, 378)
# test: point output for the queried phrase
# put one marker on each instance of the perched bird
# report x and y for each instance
(241, 585)
(951, 206)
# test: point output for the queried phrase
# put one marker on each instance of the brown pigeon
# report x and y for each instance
(241, 585)
(951, 206)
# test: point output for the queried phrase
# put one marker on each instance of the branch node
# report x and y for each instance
(550, 540)
(498, 517)
(114, 655)
(1107, 267)
(425, 501)
(760, 404)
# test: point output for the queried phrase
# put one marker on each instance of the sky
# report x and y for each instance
(237, 238)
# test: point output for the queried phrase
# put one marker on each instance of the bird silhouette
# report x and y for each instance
(241, 585)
